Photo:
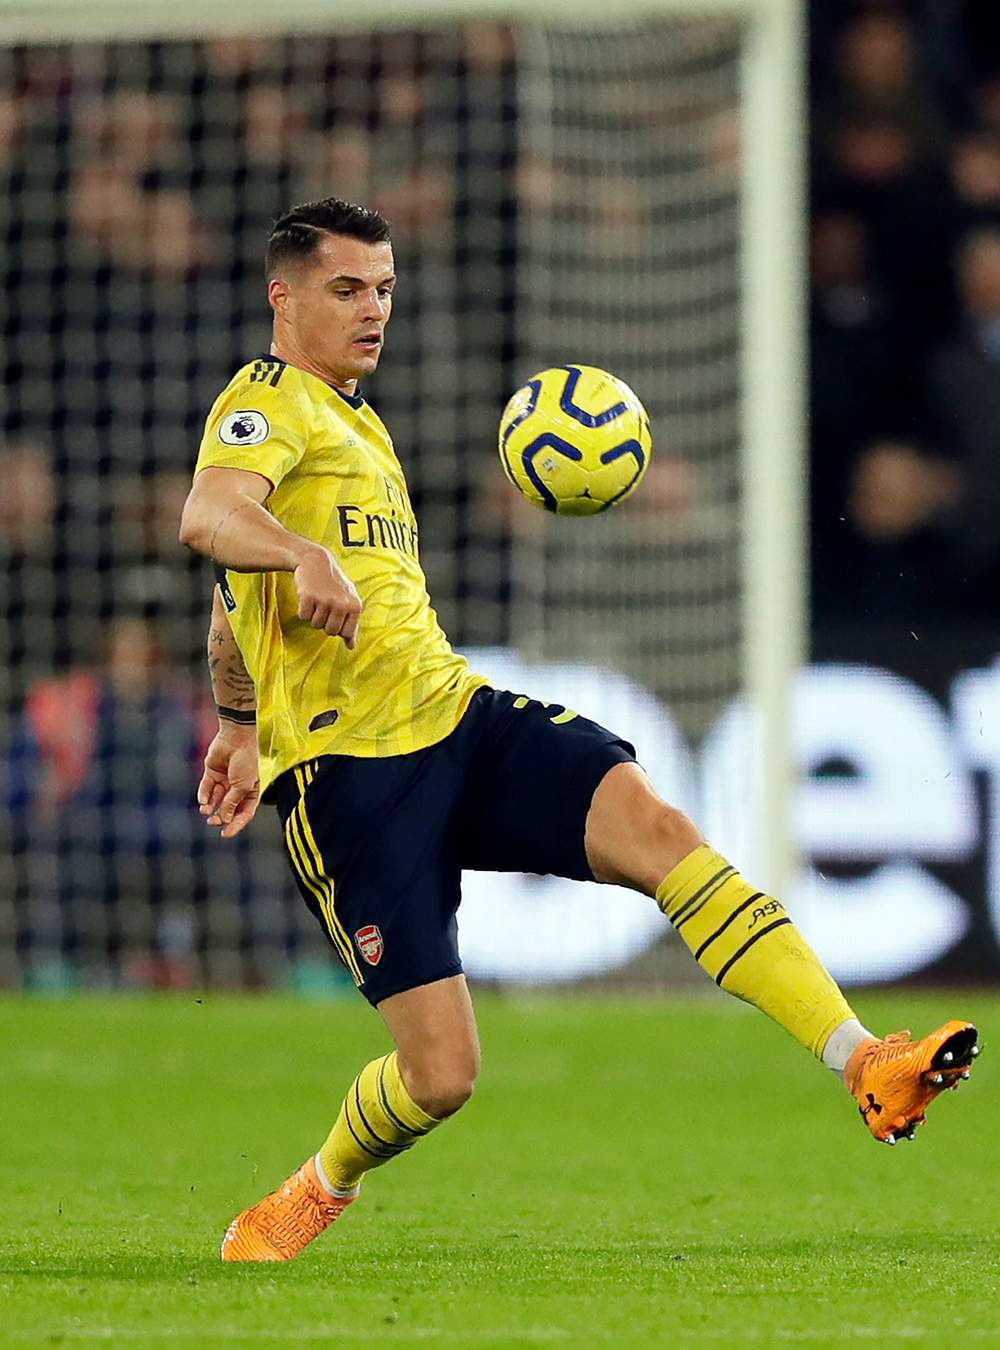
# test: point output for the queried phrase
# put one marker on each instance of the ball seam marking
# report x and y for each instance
(536, 388)
(586, 419)
(547, 441)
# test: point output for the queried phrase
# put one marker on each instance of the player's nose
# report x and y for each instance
(373, 307)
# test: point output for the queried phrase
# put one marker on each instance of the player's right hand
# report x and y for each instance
(229, 791)
(327, 598)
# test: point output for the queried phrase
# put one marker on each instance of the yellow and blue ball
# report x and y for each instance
(575, 440)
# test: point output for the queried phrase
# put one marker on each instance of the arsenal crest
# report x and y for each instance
(369, 941)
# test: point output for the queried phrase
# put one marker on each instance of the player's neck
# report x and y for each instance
(293, 357)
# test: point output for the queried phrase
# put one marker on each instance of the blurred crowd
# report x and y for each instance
(905, 309)
(138, 184)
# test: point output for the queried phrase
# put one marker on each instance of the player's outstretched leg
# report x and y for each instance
(746, 942)
(379, 1119)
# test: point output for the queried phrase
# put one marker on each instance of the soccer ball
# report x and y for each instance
(575, 440)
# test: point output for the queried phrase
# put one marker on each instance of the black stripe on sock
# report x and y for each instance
(747, 945)
(408, 1129)
(722, 927)
(386, 1143)
(701, 904)
(698, 908)
(372, 1153)
(698, 894)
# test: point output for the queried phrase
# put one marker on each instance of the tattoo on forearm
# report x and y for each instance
(211, 543)
(232, 683)
(238, 678)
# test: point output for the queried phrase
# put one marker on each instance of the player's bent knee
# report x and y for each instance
(441, 1094)
(441, 1085)
(633, 837)
(671, 833)
(664, 837)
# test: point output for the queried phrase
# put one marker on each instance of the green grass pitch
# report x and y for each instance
(629, 1174)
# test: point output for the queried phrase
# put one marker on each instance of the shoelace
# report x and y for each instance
(303, 1210)
(892, 1048)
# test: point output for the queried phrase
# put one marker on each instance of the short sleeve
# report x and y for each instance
(257, 427)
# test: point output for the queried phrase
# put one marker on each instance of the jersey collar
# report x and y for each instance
(356, 401)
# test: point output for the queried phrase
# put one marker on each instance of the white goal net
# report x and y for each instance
(630, 175)
(556, 194)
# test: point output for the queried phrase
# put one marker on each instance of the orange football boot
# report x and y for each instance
(280, 1225)
(895, 1080)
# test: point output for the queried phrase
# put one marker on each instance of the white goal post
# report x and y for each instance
(772, 364)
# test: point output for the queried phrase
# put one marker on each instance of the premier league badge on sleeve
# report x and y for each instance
(369, 941)
(244, 427)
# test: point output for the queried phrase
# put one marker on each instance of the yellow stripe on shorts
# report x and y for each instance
(318, 884)
(315, 883)
(309, 840)
(297, 855)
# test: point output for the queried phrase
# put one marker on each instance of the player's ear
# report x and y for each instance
(278, 294)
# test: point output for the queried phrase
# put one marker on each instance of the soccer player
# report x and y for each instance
(393, 766)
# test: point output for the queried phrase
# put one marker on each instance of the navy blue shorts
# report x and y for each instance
(378, 846)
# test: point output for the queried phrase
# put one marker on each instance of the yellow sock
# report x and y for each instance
(750, 947)
(378, 1120)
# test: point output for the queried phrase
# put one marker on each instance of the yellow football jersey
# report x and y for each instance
(336, 481)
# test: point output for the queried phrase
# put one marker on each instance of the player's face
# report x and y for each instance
(336, 309)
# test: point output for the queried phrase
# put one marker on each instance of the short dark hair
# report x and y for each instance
(296, 235)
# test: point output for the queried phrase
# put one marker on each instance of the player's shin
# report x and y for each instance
(378, 1120)
(750, 947)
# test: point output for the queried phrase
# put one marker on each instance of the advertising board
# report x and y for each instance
(896, 814)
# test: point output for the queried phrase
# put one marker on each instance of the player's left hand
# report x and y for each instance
(229, 791)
